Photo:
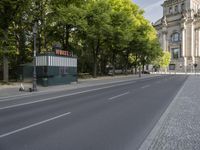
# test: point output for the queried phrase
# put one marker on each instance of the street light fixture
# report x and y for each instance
(34, 59)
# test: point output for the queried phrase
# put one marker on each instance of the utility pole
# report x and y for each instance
(34, 58)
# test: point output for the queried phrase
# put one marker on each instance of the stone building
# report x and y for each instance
(179, 33)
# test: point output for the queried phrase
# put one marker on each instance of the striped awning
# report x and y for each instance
(56, 61)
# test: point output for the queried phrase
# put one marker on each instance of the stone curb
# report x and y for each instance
(69, 86)
(153, 133)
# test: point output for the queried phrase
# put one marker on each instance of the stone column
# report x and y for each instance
(164, 32)
(185, 64)
(183, 42)
(198, 43)
(183, 49)
(192, 43)
(164, 39)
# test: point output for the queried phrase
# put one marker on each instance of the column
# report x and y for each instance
(183, 50)
(192, 43)
(198, 43)
(183, 42)
(164, 35)
(185, 64)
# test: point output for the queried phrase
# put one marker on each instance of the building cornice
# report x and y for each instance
(171, 2)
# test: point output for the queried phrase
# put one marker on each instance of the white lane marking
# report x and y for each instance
(33, 125)
(114, 97)
(61, 96)
(146, 86)
(2, 99)
(12, 98)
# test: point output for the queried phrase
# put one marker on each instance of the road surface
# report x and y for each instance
(114, 116)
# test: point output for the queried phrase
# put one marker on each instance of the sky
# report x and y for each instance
(152, 8)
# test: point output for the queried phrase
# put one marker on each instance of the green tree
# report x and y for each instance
(96, 30)
(145, 48)
(163, 60)
(67, 19)
(9, 9)
(124, 20)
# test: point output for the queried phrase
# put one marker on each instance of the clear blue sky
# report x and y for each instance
(153, 8)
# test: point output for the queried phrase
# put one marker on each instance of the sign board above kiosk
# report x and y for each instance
(63, 53)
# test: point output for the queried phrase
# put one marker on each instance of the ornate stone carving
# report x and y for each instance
(184, 16)
(198, 13)
(164, 21)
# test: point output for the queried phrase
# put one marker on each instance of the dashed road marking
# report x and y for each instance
(117, 96)
(146, 86)
(33, 125)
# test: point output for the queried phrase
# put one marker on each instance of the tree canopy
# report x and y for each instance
(102, 33)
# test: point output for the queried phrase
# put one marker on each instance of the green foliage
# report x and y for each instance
(163, 61)
(103, 33)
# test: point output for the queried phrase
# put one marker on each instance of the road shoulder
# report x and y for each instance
(13, 91)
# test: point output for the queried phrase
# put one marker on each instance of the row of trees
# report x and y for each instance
(102, 33)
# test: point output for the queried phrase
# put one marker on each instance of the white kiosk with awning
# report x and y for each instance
(55, 68)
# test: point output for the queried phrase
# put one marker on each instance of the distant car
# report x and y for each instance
(145, 72)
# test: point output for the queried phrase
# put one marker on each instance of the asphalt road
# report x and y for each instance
(115, 116)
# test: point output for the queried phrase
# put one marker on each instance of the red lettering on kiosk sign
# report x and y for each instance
(64, 53)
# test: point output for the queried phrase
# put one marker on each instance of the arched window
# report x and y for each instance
(175, 37)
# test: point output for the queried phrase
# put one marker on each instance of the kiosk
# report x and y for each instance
(54, 68)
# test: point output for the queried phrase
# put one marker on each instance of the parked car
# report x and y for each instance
(145, 72)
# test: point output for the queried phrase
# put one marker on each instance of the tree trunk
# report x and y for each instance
(126, 68)
(126, 64)
(113, 64)
(66, 46)
(95, 62)
(135, 69)
(45, 41)
(113, 70)
(95, 55)
(95, 67)
(5, 69)
(139, 71)
(143, 68)
(5, 58)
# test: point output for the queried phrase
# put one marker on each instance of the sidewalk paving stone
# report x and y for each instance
(179, 127)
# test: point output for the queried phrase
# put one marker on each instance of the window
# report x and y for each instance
(183, 6)
(170, 10)
(175, 53)
(176, 8)
(175, 37)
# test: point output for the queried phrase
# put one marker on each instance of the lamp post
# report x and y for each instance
(34, 58)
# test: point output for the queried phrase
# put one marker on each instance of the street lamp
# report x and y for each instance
(34, 59)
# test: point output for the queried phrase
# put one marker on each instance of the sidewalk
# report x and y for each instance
(13, 89)
(179, 127)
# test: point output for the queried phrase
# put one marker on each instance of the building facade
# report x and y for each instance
(179, 33)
